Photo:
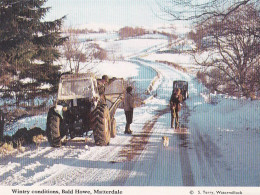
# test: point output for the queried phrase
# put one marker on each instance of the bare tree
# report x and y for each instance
(81, 53)
(193, 10)
(233, 49)
(228, 32)
(74, 52)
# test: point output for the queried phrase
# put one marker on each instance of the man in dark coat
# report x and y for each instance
(175, 106)
(129, 109)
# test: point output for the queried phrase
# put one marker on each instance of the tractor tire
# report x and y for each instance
(102, 125)
(113, 128)
(53, 129)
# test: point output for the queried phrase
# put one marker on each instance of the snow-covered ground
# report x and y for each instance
(221, 147)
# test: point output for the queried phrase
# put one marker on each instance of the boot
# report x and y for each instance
(128, 132)
(127, 129)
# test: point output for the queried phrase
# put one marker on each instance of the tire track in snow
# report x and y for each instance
(132, 151)
(207, 154)
(138, 143)
(95, 167)
(92, 163)
(187, 175)
(186, 169)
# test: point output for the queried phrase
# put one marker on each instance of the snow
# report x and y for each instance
(28, 122)
(220, 149)
(235, 115)
(45, 86)
(182, 59)
(129, 48)
(27, 80)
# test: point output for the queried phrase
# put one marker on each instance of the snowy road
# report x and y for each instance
(203, 157)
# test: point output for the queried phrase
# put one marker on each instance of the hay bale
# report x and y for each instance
(20, 138)
(35, 134)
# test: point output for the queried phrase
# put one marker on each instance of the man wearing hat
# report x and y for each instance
(102, 86)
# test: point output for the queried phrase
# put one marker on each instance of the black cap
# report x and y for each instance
(129, 89)
(105, 77)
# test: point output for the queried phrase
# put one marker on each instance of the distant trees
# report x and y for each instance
(227, 36)
(127, 32)
(85, 31)
(28, 48)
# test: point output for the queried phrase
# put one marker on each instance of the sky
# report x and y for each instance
(118, 13)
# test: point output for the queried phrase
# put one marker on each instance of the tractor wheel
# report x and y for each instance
(113, 128)
(102, 126)
(53, 129)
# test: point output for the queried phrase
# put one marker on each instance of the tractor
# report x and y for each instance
(79, 109)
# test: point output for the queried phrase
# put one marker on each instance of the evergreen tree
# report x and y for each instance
(28, 48)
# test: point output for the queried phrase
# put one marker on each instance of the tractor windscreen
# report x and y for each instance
(72, 89)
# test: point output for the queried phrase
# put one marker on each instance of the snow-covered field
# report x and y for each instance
(221, 147)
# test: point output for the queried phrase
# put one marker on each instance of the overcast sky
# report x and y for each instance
(108, 12)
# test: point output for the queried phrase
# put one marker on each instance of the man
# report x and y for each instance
(175, 106)
(102, 86)
(129, 109)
